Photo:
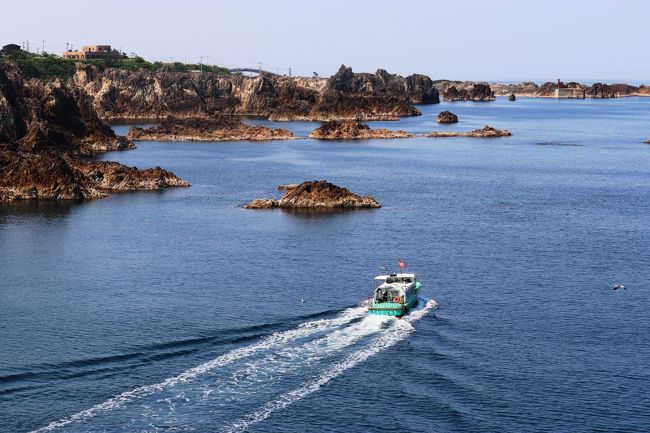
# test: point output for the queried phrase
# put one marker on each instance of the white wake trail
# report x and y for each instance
(402, 330)
(277, 339)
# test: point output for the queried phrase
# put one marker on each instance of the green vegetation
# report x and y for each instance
(48, 66)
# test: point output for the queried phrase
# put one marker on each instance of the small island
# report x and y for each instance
(447, 117)
(486, 132)
(354, 130)
(216, 128)
(315, 194)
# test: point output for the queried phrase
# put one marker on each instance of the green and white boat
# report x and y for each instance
(394, 294)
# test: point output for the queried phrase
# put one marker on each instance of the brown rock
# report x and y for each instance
(44, 127)
(41, 117)
(262, 203)
(447, 117)
(113, 176)
(470, 91)
(52, 176)
(287, 187)
(317, 194)
(217, 128)
(353, 130)
(486, 132)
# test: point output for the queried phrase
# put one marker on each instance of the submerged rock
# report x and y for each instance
(353, 130)
(486, 132)
(217, 128)
(316, 194)
(447, 117)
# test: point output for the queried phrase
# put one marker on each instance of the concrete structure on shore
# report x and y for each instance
(568, 92)
(93, 52)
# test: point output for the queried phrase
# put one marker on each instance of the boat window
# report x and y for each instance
(408, 280)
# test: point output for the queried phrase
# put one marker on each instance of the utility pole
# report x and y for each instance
(27, 45)
(67, 46)
(289, 71)
(201, 63)
(260, 67)
(43, 47)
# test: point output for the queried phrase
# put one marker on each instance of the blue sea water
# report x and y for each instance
(180, 311)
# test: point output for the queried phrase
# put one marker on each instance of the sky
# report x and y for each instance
(492, 40)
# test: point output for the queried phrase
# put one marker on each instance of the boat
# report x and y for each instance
(394, 294)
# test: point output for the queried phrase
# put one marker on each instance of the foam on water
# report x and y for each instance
(402, 327)
(274, 340)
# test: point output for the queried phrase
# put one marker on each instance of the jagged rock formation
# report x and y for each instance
(219, 128)
(447, 117)
(54, 176)
(38, 116)
(316, 194)
(353, 130)
(476, 92)
(512, 97)
(486, 132)
(601, 91)
(464, 90)
(44, 128)
(346, 95)
(420, 90)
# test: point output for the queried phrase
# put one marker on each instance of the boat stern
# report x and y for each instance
(395, 309)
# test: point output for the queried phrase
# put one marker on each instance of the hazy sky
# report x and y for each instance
(460, 39)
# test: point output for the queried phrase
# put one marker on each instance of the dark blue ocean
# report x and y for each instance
(179, 311)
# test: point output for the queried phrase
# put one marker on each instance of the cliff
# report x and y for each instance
(39, 116)
(219, 128)
(44, 129)
(118, 94)
(316, 194)
(353, 130)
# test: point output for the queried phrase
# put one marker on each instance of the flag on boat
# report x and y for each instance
(402, 264)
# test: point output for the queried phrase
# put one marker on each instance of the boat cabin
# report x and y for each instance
(394, 287)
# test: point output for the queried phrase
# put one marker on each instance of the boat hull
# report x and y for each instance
(395, 309)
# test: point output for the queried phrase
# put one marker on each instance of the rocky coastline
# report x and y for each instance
(316, 194)
(547, 89)
(119, 94)
(45, 129)
(217, 128)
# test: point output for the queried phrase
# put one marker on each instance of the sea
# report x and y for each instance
(180, 311)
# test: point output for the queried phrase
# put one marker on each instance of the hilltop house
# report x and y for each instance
(94, 52)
